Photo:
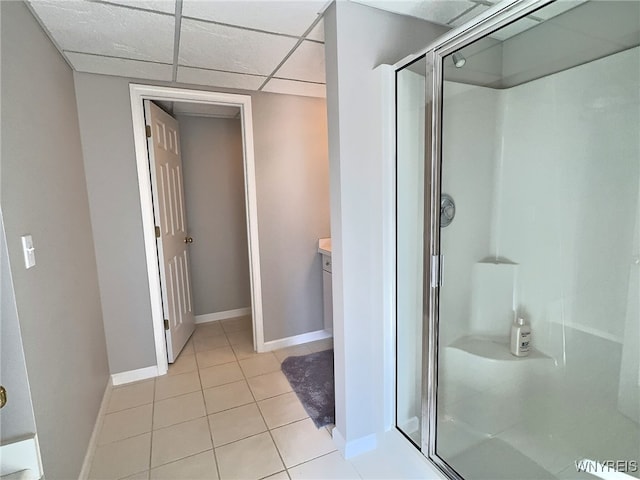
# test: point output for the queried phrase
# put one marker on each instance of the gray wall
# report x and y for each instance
(112, 184)
(359, 38)
(293, 207)
(214, 197)
(16, 418)
(44, 194)
(292, 172)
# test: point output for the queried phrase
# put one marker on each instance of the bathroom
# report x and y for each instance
(533, 151)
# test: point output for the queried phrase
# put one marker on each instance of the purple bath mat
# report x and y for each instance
(311, 377)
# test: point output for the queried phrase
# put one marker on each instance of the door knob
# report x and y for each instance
(188, 239)
(3, 396)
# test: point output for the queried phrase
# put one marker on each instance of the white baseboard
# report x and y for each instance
(296, 340)
(354, 447)
(21, 456)
(93, 441)
(215, 317)
(134, 375)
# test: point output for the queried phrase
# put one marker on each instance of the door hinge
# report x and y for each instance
(157, 231)
(166, 324)
(436, 270)
(148, 130)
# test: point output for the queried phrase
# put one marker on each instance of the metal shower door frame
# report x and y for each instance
(496, 17)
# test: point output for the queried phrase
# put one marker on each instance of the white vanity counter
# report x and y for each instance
(324, 246)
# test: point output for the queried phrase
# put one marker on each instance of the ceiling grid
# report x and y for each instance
(273, 46)
(224, 43)
(176, 40)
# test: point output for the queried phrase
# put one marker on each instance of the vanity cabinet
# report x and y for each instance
(326, 293)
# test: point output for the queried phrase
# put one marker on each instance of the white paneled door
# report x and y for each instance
(171, 227)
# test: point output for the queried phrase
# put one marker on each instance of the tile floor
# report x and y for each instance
(222, 412)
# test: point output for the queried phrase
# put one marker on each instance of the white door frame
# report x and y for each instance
(139, 93)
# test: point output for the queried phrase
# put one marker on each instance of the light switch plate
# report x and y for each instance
(29, 251)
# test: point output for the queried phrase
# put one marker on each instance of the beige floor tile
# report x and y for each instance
(174, 385)
(185, 363)
(328, 467)
(188, 348)
(121, 459)
(203, 344)
(301, 441)
(241, 336)
(244, 350)
(237, 324)
(178, 441)
(217, 356)
(260, 364)
(236, 424)
(278, 476)
(282, 410)
(227, 396)
(252, 458)
(132, 395)
(269, 385)
(139, 476)
(320, 345)
(125, 423)
(196, 467)
(208, 330)
(220, 374)
(178, 409)
(295, 351)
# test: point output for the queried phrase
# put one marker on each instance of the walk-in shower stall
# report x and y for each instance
(517, 196)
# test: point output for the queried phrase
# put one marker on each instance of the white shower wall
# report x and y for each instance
(468, 159)
(545, 174)
(569, 184)
(629, 388)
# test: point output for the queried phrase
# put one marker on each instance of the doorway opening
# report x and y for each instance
(140, 93)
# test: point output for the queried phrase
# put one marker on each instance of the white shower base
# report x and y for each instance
(531, 417)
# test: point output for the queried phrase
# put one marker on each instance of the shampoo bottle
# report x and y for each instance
(520, 338)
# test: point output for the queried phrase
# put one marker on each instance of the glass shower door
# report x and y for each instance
(540, 173)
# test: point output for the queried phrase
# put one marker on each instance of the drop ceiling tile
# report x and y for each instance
(98, 28)
(514, 28)
(292, 87)
(444, 11)
(166, 6)
(318, 32)
(214, 78)
(288, 17)
(219, 47)
(121, 67)
(306, 63)
(437, 11)
(556, 8)
(479, 9)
